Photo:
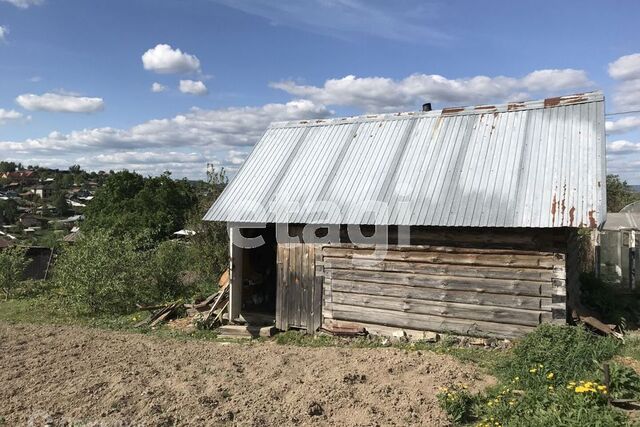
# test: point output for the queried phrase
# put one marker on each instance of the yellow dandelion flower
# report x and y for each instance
(550, 375)
(533, 370)
(489, 403)
(572, 383)
(602, 387)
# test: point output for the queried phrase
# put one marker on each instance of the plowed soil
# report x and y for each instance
(64, 375)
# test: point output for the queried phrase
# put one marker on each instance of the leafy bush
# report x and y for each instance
(625, 382)
(210, 244)
(33, 288)
(101, 273)
(567, 351)
(12, 265)
(552, 377)
(169, 259)
(458, 403)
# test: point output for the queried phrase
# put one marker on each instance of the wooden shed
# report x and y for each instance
(459, 220)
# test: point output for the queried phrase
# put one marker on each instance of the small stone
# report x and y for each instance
(315, 410)
(431, 337)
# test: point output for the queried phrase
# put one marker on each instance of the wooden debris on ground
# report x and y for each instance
(582, 315)
(344, 329)
(208, 312)
(214, 315)
(161, 314)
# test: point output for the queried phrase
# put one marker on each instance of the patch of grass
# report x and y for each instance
(551, 377)
(302, 339)
(32, 310)
(631, 348)
(567, 351)
(483, 358)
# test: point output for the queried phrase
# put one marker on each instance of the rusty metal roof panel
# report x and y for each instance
(528, 164)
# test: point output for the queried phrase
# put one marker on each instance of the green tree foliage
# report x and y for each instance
(102, 273)
(60, 202)
(619, 193)
(8, 166)
(12, 265)
(129, 204)
(107, 274)
(210, 244)
(8, 211)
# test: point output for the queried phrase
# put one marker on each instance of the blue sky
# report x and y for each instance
(77, 75)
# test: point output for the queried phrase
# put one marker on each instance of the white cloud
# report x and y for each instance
(374, 94)
(626, 67)
(554, 80)
(3, 33)
(236, 158)
(623, 125)
(9, 115)
(218, 136)
(164, 59)
(60, 103)
(193, 87)
(626, 70)
(622, 147)
(157, 87)
(24, 4)
(143, 158)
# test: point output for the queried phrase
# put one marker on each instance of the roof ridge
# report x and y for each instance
(559, 101)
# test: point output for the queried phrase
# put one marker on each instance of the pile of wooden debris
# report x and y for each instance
(206, 314)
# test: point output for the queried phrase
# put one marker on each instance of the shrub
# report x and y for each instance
(552, 377)
(458, 403)
(12, 265)
(624, 382)
(567, 351)
(168, 261)
(101, 273)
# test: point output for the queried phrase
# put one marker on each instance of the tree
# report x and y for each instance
(8, 211)
(75, 169)
(12, 265)
(129, 204)
(211, 241)
(101, 273)
(619, 193)
(60, 202)
(8, 166)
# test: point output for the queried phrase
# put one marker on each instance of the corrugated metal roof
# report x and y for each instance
(532, 164)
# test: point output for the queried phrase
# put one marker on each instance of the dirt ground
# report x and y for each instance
(52, 375)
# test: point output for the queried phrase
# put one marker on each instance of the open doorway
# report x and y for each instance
(259, 277)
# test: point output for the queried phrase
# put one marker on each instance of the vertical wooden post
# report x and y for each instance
(595, 240)
(235, 275)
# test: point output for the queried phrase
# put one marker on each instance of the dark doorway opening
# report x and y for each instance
(259, 277)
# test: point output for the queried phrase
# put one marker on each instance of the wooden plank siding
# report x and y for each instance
(477, 291)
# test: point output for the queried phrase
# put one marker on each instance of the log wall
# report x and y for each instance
(463, 290)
